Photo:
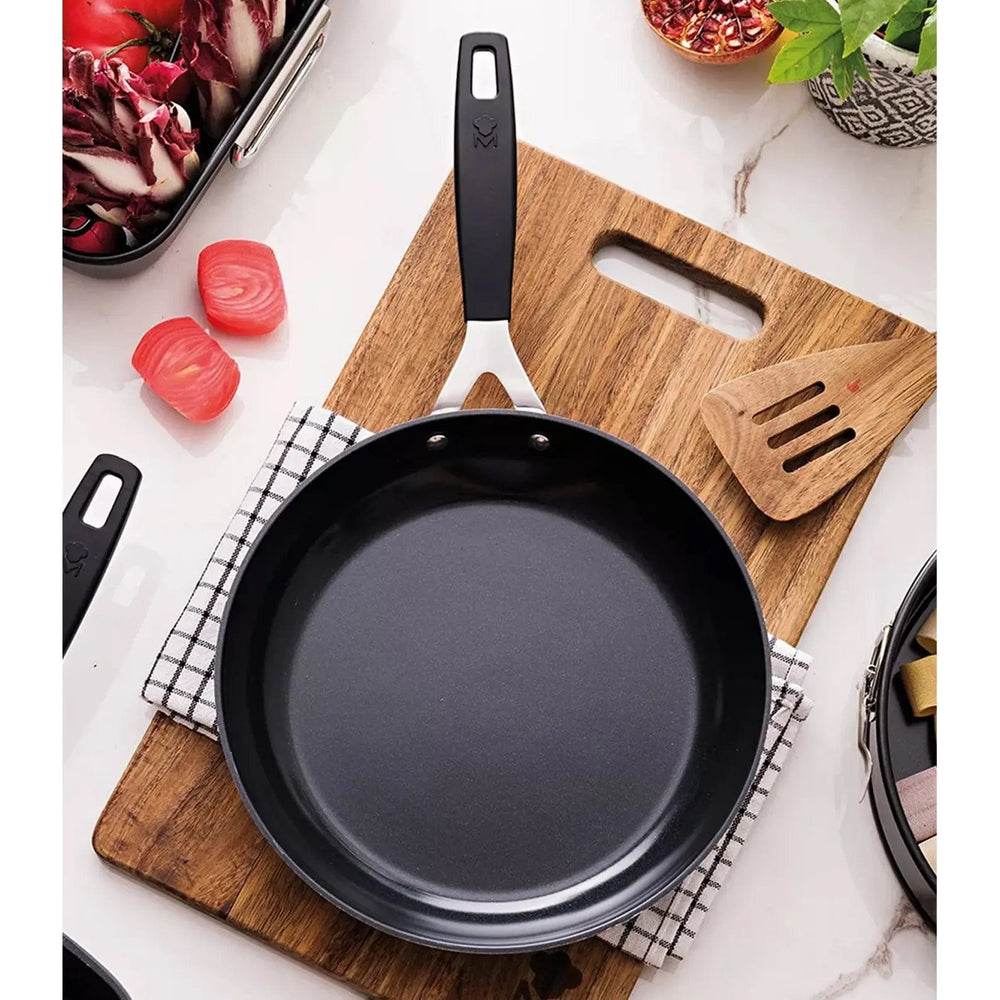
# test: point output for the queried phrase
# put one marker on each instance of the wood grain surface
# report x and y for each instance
(796, 433)
(597, 352)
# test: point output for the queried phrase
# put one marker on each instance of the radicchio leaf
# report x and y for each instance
(127, 149)
(278, 11)
(224, 42)
(168, 81)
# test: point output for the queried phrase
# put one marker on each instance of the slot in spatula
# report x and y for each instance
(797, 432)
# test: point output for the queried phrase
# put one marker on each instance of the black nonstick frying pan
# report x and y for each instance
(492, 680)
(84, 978)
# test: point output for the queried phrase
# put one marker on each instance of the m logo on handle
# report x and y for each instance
(485, 132)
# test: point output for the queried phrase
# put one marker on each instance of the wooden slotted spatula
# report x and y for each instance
(797, 432)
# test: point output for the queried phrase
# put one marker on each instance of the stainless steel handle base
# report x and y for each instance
(488, 348)
(255, 133)
(867, 699)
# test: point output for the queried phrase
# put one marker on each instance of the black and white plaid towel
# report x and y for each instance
(181, 681)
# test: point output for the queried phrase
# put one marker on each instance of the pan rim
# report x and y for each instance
(920, 596)
(523, 943)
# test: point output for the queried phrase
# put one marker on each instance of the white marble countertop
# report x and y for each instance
(812, 909)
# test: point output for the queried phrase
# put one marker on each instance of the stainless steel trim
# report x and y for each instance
(255, 133)
(868, 699)
(488, 348)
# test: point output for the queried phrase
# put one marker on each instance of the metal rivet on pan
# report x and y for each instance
(539, 442)
(436, 442)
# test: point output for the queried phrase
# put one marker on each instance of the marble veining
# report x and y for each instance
(879, 962)
(742, 179)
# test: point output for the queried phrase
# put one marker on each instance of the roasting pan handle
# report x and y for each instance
(485, 182)
(258, 129)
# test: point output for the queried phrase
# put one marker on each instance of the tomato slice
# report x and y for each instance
(186, 368)
(241, 286)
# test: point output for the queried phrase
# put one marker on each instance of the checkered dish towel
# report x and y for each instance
(181, 681)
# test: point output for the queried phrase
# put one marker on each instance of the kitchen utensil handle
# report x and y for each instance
(485, 182)
(88, 549)
(256, 132)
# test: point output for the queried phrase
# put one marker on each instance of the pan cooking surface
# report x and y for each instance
(492, 696)
(488, 700)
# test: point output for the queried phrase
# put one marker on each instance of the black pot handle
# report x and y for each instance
(485, 183)
(87, 550)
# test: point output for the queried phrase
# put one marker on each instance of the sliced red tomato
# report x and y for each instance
(186, 368)
(241, 286)
(141, 30)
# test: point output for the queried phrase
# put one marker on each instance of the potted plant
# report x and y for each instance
(869, 64)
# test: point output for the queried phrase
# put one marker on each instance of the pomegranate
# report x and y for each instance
(719, 31)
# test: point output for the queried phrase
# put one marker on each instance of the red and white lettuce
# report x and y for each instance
(127, 149)
(224, 42)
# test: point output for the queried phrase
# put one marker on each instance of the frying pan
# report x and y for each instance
(84, 978)
(492, 680)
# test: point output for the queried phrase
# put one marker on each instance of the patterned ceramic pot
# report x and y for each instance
(894, 108)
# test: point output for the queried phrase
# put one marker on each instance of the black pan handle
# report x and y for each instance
(87, 550)
(485, 183)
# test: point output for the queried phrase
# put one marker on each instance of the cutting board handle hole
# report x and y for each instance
(678, 285)
(788, 403)
(831, 444)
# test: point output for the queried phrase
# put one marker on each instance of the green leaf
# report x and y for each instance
(927, 56)
(807, 55)
(904, 28)
(803, 15)
(861, 18)
(857, 62)
(843, 78)
(844, 70)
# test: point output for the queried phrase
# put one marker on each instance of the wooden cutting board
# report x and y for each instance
(600, 353)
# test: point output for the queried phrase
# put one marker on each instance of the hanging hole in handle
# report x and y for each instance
(679, 286)
(95, 514)
(484, 75)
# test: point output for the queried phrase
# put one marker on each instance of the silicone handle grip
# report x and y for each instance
(87, 550)
(485, 183)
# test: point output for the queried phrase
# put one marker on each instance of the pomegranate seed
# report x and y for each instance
(712, 26)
